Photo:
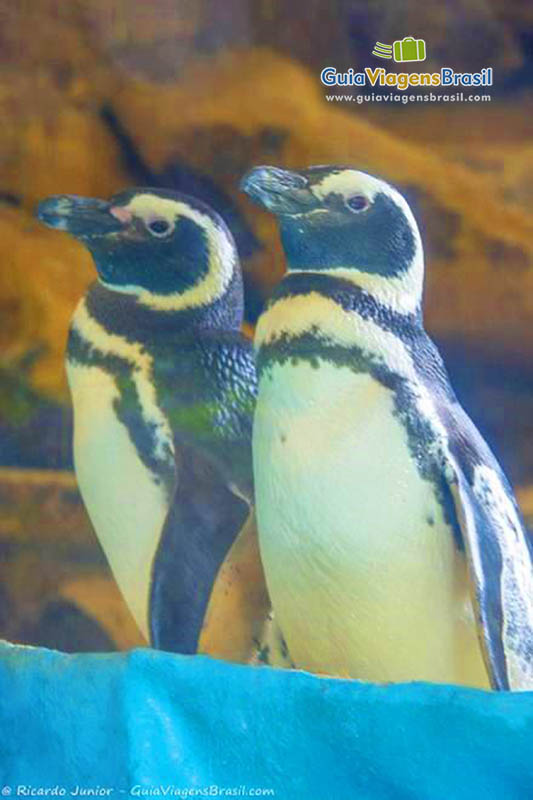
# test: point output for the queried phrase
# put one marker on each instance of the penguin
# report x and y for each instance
(163, 387)
(391, 541)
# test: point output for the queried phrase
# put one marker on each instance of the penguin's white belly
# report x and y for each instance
(127, 508)
(362, 568)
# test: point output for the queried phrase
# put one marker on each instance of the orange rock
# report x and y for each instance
(43, 276)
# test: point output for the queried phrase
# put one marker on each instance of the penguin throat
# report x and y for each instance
(123, 313)
(332, 309)
(401, 293)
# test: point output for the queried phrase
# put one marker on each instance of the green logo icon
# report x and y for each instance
(382, 50)
(409, 49)
(406, 49)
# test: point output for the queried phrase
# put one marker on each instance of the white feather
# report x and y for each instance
(127, 508)
(362, 584)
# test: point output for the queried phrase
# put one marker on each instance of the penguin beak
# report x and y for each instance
(80, 216)
(281, 191)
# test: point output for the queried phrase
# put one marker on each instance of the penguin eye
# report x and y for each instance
(159, 227)
(358, 202)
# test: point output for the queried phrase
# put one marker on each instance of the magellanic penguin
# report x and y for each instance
(163, 386)
(391, 541)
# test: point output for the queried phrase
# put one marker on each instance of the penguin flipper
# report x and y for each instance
(239, 624)
(499, 561)
(204, 519)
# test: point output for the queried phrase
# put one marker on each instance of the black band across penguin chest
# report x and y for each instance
(315, 345)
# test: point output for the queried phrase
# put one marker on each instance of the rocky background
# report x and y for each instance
(98, 96)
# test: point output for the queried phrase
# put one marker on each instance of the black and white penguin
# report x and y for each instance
(391, 540)
(163, 387)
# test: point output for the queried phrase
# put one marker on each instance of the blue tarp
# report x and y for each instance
(154, 725)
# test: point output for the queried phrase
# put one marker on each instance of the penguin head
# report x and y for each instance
(168, 249)
(346, 223)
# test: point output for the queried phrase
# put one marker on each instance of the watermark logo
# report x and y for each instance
(406, 49)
